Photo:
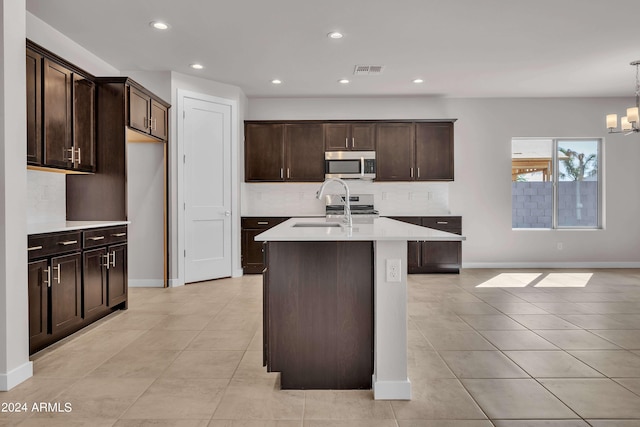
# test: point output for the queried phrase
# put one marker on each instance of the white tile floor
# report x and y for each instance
(486, 347)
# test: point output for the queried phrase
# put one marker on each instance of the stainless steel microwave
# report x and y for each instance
(350, 164)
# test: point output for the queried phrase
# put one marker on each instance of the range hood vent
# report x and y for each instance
(367, 70)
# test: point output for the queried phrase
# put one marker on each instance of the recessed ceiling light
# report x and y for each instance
(335, 35)
(343, 81)
(418, 81)
(197, 66)
(159, 25)
(276, 81)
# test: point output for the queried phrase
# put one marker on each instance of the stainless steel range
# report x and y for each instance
(362, 209)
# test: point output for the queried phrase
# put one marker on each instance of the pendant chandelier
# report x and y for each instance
(630, 122)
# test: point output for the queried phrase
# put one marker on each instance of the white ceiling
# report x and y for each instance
(461, 48)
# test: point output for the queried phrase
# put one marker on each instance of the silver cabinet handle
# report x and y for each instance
(418, 172)
(263, 222)
(68, 242)
(147, 123)
(411, 172)
(353, 143)
(288, 173)
(107, 261)
(281, 173)
(346, 143)
(48, 281)
(119, 234)
(94, 238)
(57, 268)
(72, 158)
(79, 156)
(442, 222)
(34, 248)
(155, 123)
(113, 259)
(362, 166)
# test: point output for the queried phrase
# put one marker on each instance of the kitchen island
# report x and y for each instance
(335, 303)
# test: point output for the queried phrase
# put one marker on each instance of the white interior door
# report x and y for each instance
(207, 179)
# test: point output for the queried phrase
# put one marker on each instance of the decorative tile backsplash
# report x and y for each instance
(290, 199)
(46, 197)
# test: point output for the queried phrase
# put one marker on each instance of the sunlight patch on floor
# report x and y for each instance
(564, 280)
(510, 280)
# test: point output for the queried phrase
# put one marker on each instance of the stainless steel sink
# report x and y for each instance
(317, 224)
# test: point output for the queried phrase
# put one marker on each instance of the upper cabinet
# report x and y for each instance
(284, 152)
(146, 114)
(292, 151)
(349, 136)
(420, 151)
(60, 113)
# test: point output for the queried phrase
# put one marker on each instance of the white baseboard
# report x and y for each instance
(16, 376)
(551, 265)
(391, 390)
(237, 273)
(174, 283)
(146, 283)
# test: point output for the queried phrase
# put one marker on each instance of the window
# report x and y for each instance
(556, 183)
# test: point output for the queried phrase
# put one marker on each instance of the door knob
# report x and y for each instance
(227, 213)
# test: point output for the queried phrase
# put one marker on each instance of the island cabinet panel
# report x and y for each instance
(319, 314)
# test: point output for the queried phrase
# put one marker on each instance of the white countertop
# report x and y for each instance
(380, 229)
(53, 227)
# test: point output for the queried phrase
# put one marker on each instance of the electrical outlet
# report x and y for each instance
(393, 270)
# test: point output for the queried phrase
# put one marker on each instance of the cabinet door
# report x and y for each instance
(394, 152)
(434, 151)
(117, 275)
(305, 152)
(139, 110)
(34, 108)
(38, 303)
(159, 120)
(441, 257)
(264, 152)
(84, 140)
(363, 136)
(57, 115)
(336, 136)
(94, 281)
(252, 256)
(66, 292)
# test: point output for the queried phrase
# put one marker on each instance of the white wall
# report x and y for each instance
(481, 192)
(15, 366)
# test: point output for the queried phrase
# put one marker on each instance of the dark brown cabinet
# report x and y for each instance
(60, 113)
(281, 152)
(34, 107)
(58, 145)
(74, 279)
(66, 292)
(434, 152)
(435, 257)
(146, 114)
(421, 151)
(318, 317)
(349, 136)
(395, 156)
(252, 252)
(39, 279)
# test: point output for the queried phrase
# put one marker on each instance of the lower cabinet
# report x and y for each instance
(252, 253)
(74, 278)
(435, 257)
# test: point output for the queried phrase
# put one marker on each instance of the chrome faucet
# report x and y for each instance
(347, 197)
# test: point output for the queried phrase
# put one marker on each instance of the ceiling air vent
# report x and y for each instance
(367, 70)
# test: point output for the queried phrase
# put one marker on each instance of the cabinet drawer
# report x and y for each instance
(451, 224)
(42, 245)
(262, 222)
(104, 236)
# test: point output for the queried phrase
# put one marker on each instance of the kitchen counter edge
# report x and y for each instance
(54, 227)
